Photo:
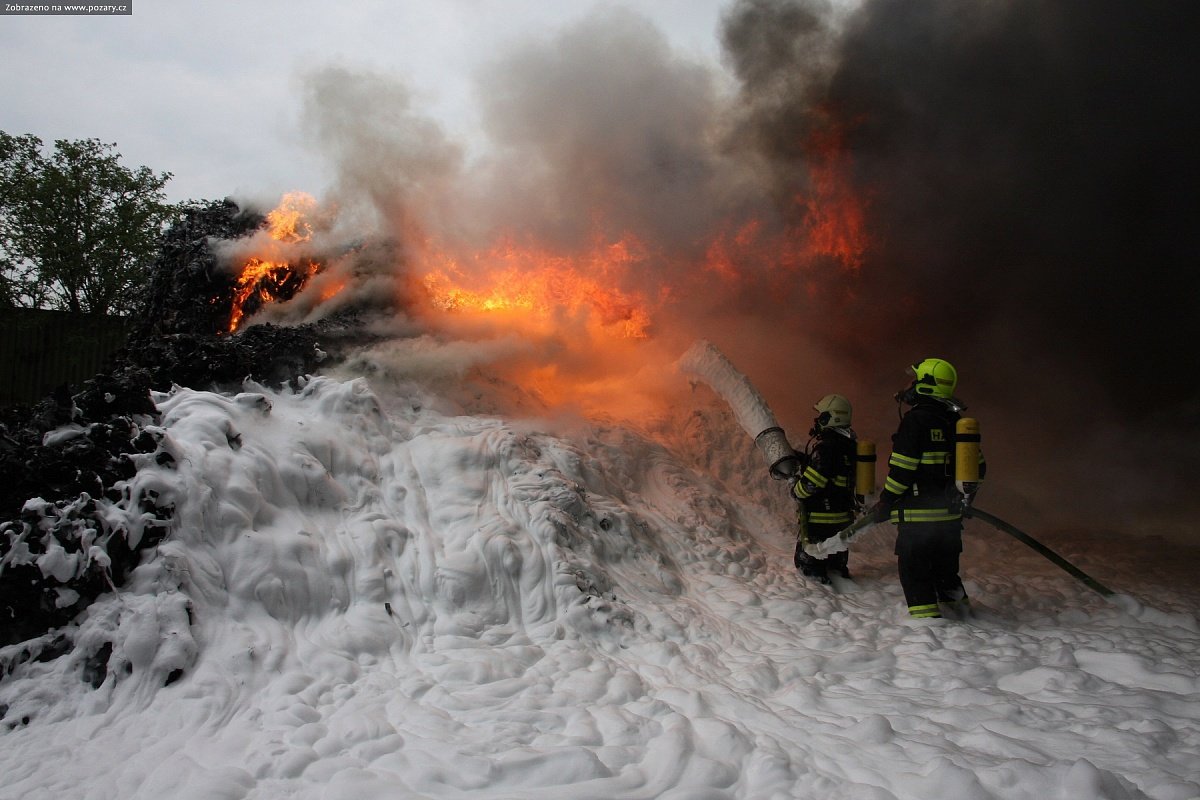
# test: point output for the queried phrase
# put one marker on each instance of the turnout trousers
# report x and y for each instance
(927, 559)
(820, 567)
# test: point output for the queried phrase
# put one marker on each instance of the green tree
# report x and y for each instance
(78, 231)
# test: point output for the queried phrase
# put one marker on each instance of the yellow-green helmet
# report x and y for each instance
(934, 377)
(833, 411)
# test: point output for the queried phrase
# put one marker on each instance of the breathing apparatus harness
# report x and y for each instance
(962, 466)
(814, 433)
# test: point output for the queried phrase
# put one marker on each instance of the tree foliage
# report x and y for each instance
(78, 231)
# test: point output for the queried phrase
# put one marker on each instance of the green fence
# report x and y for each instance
(40, 350)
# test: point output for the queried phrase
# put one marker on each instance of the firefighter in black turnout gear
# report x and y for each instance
(825, 487)
(920, 495)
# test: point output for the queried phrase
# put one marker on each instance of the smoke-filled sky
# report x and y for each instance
(827, 193)
(211, 92)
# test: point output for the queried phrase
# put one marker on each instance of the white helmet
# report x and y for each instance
(833, 411)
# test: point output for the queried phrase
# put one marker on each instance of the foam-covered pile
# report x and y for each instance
(371, 593)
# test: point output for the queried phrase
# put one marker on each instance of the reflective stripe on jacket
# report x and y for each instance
(826, 485)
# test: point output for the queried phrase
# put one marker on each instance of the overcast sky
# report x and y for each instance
(211, 92)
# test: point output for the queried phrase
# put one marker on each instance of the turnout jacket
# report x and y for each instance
(825, 488)
(920, 482)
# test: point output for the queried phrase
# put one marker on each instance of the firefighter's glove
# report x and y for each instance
(881, 511)
(803, 488)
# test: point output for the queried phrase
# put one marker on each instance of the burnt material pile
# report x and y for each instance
(190, 290)
(72, 451)
(178, 339)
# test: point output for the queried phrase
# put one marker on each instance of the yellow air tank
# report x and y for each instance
(966, 453)
(864, 476)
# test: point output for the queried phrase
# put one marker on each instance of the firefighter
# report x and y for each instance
(824, 488)
(920, 495)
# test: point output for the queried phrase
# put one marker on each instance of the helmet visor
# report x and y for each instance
(913, 372)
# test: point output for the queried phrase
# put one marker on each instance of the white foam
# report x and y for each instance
(367, 597)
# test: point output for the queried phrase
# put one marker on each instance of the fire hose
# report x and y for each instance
(709, 364)
(842, 539)
(1026, 539)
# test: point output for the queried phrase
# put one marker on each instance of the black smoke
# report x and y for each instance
(1031, 170)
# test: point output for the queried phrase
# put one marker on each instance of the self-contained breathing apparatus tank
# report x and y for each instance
(864, 476)
(966, 455)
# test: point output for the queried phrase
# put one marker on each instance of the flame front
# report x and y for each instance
(595, 322)
(536, 289)
(824, 226)
(835, 215)
(267, 279)
(289, 221)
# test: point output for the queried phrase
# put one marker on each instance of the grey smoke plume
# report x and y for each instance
(388, 157)
(605, 121)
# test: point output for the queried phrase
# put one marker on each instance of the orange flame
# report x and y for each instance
(536, 288)
(830, 222)
(587, 326)
(835, 215)
(289, 221)
(267, 279)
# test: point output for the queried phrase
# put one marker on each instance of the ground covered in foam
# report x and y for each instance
(373, 591)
